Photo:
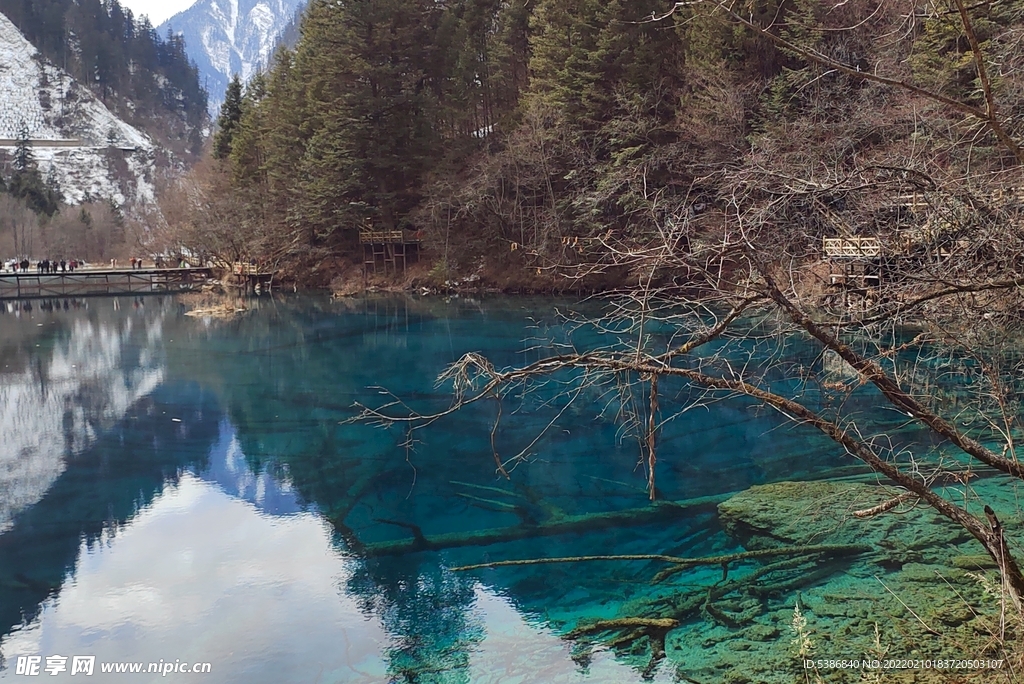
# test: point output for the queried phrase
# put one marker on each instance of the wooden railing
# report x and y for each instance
(852, 247)
(378, 237)
(246, 269)
(370, 236)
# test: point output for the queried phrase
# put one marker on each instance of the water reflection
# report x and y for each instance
(188, 489)
(97, 493)
(235, 474)
(63, 381)
(200, 576)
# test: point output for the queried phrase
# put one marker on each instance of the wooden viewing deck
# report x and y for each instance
(252, 277)
(387, 246)
(100, 282)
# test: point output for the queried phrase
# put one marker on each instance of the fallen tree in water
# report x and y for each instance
(566, 524)
(679, 564)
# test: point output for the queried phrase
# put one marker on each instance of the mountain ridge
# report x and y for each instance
(227, 37)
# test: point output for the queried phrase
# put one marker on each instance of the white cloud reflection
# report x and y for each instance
(203, 577)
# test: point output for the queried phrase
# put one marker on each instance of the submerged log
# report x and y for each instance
(616, 624)
(680, 563)
(568, 524)
(803, 550)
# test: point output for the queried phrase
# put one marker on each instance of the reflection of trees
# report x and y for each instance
(286, 390)
(102, 488)
(428, 612)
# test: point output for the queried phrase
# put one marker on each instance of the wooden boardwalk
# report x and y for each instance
(87, 282)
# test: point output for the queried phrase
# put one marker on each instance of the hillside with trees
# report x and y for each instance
(34, 219)
(513, 134)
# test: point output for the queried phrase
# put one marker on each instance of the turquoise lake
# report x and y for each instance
(181, 489)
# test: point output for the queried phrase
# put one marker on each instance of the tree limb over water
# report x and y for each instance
(762, 285)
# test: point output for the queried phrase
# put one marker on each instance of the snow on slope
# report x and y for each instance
(227, 37)
(75, 137)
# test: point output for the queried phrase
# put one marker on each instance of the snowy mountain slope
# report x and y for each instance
(227, 37)
(91, 152)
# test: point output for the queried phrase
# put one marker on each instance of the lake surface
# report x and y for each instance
(185, 490)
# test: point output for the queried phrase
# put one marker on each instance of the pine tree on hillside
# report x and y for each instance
(230, 116)
(565, 35)
(24, 160)
(589, 54)
(27, 183)
(510, 53)
(370, 72)
(247, 147)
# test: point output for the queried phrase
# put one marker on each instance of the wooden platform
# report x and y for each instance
(251, 277)
(100, 282)
(387, 247)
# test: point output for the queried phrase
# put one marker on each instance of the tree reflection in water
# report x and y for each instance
(427, 610)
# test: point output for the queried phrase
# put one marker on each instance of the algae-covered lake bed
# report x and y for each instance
(190, 489)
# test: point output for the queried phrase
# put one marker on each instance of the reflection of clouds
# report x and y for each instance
(201, 576)
(515, 651)
(55, 406)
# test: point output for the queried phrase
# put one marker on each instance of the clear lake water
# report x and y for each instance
(181, 489)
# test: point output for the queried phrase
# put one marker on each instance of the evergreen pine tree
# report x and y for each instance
(42, 197)
(227, 122)
(247, 155)
(371, 80)
(24, 160)
(564, 40)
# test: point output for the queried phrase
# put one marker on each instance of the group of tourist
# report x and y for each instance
(54, 266)
(50, 266)
(47, 266)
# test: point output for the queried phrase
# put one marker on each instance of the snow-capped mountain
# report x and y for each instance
(227, 37)
(91, 152)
